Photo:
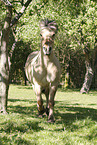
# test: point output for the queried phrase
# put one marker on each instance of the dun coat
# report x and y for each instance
(43, 69)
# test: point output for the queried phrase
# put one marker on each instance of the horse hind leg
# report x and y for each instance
(46, 92)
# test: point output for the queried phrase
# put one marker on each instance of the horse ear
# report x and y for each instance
(40, 34)
(53, 26)
(42, 24)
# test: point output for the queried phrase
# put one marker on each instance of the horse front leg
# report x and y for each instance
(51, 103)
(40, 106)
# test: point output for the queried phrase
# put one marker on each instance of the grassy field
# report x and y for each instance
(75, 114)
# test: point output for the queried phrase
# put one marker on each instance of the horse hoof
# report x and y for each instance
(40, 113)
(41, 116)
(51, 119)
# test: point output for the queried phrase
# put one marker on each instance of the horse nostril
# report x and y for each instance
(50, 48)
(47, 50)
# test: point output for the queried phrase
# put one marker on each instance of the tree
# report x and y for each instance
(88, 40)
(4, 59)
(89, 72)
(4, 64)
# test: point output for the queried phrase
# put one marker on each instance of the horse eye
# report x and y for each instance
(53, 35)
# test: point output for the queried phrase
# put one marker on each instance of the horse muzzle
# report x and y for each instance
(47, 50)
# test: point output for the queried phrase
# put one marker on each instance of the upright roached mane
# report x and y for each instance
(43, 69)
(51, 25)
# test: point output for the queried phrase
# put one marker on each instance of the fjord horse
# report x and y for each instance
(43, 69)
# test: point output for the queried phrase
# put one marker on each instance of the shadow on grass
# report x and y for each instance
(22, 126)
(15, 125)
(12, 129)
(60, 111)
(18, 100)
(68, 90)
(65, 114)
(25, 87)
(69, 114)
(4, 139)
(23, 110)
(20, 122)
(15, 139)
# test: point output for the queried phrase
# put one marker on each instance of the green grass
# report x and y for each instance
(76, 119)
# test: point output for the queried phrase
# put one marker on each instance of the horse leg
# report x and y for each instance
(40, 106)
(51, 103)
(47, 97)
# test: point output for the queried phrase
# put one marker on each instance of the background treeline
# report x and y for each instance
(75, 41)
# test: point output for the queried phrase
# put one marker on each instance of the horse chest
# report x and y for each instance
(51, 72)
(45, 75)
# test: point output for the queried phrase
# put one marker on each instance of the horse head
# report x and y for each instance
(48, 31)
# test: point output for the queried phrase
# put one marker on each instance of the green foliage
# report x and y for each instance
(71, 16)
(2, 14)
(76, 119)
(77, 27)
(20, 54)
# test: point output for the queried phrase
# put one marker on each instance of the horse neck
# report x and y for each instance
(41, 56)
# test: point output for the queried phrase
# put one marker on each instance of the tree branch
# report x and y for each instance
(6, 2)
(16, 18)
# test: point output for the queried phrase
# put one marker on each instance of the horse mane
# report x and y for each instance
(49, 24)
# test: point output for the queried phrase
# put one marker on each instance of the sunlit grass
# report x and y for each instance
(76, 119)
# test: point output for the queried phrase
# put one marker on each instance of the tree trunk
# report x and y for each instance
(4, 64)
(67, 76)
(4, 61)
(95, 65)
(88, 78)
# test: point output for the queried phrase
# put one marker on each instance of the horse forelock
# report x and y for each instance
(50, 25)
